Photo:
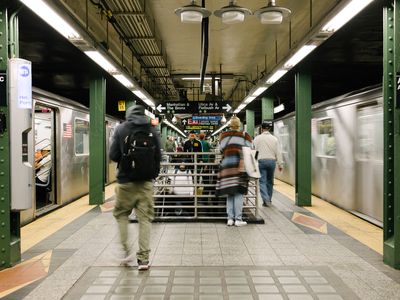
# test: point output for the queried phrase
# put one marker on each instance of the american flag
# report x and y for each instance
(67, 130)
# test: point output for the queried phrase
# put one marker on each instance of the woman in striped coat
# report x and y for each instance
(232, 177)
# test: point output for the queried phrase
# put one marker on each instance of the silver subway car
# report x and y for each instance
(61, 147)
(347, 152)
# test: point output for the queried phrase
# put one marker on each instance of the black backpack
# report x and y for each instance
(138, 157)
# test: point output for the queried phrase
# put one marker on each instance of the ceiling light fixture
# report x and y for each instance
(272, 14)
(276, 76)
(232, 13)
(279, 108)
(299, 55)
(51, 17)
(345, 15)
(192, 13)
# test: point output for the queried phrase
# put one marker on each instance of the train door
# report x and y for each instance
(45, 158)
(369, 163)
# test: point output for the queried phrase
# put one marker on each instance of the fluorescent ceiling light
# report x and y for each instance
(198, 78)
(103, 62)
(259, 91)
(345, 15)
(175, 128)
(299, 55)
(279, 108)
(125, 81)
(149, 114)
(140, 94)
(249, 99)
(45, 12)
(221, 128)
(276, 76)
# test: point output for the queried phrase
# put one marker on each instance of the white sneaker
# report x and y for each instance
(230, 222)
(239, 223)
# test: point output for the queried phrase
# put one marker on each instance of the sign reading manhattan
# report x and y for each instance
(192, 107)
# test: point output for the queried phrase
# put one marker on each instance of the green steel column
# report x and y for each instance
(267, 108)
(303, 139)
(250, 122)
(391, 68)
(97, 140)
(5, 197)
(164, 129)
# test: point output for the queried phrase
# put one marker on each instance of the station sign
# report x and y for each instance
(199, 127)
(206, 118)
(191, 121)
(192, 107)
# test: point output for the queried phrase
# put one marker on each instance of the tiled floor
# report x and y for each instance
(200, 283)
(294, 255)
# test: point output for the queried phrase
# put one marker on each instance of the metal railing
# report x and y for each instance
(185, 188)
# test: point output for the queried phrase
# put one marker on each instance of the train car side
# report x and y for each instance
(61, 127)
(347, 152)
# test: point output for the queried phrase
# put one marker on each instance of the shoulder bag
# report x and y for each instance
(250, 160)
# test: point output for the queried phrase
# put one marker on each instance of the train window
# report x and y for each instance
(370, 133)
(326, 141)
(81, 137)
(283, 136)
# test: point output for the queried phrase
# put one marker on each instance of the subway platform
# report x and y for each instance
(320, 252)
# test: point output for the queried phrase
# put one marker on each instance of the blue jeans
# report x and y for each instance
(267, 169)
(234, 206)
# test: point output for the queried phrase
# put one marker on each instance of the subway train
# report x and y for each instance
(347, 152)
(61, 146)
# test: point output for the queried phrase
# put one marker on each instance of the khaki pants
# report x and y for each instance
(137, 195)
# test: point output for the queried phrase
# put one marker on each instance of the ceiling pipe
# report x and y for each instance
(204, 48)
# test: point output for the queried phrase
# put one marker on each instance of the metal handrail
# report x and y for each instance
(198, 205)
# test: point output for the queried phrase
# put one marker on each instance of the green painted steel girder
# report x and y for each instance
(164, 133)
(267, 108)
(5, 197)
(250, 120)
(303, 139)
(97, 141)
(10, 242)
(391, 68)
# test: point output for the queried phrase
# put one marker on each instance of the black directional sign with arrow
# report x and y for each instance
(192, 107)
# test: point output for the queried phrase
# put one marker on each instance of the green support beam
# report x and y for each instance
(164, 130)
(303, 139)
(5, 197)
(391, 83)
(267, 108)
(97, 140)
(250, 120)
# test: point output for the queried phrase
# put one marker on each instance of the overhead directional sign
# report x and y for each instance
(160, 108)
(200, 107)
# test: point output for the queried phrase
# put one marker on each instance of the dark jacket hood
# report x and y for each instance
(135, 115)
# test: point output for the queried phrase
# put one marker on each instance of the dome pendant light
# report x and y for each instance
(272, 14)
(192, 13)
(232, 13)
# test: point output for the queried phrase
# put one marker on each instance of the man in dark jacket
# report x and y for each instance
(137, 194)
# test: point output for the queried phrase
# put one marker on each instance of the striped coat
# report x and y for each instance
(232, 177)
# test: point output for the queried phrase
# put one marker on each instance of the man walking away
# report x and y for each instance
(268, 155)
(136, 147)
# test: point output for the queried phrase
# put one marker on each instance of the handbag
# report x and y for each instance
(250, 161)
